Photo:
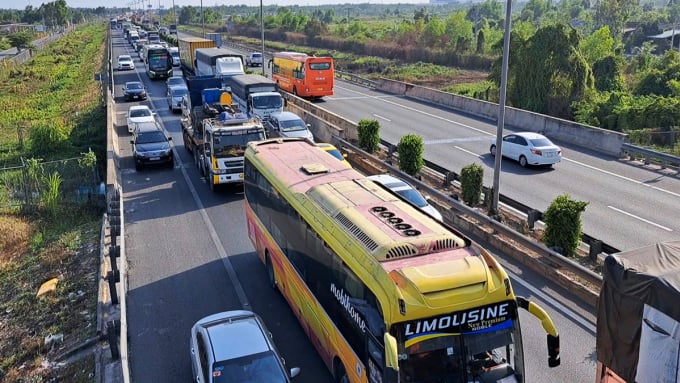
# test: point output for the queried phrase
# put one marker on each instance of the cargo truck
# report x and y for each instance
(638, 316)
(187, 46)
(217, 62)
(255, 94)
(215, 132)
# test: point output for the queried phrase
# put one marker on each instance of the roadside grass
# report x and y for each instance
(52, 109)
(48, 96)
(38, 249)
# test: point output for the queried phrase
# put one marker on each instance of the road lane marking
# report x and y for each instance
(641, 183)
(452, 140)
(468, 152)
(558, 306)
(224, 257)
(640, 218)
(494, 134)
(416, 110)
(381, 117)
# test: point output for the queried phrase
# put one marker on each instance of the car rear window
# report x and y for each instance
(140, 113)
(540, 142)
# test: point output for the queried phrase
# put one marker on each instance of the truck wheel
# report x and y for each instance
(211, 184)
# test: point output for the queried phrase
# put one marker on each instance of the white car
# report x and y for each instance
(254, 59)
(287, 124)
(137, 114)
(529, 148)
(235, 346)
(406, 192)
(125, 62)
(175, 81)
(174, 97)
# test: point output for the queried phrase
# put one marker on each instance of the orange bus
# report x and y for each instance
(385, 292)
(303, 75)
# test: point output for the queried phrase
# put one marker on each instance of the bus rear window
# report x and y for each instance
(320, 66)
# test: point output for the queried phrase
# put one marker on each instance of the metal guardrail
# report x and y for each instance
(499, 227)
(355, 79)
(650, 156)
(596, 246)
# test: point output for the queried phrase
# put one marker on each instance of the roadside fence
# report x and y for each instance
(50, 184)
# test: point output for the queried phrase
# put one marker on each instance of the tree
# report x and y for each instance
(658, 80)
(614, 13)
(546, 72)
(187, 15)
(459, 30)
(21, 40)
(608, 74)
(433, 33)
(597, 45)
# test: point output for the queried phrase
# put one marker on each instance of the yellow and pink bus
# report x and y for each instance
(303, 75)
(385, 292)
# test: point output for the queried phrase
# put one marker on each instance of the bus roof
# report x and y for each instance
(385, 225)
(434, 268)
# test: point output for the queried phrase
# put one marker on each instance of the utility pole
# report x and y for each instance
(262, 33)
(501, 112)
(202, 19)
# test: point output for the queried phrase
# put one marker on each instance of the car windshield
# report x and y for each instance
(178, 92)
(336, 153)
(292, 125)
(262, 367)
(140, 113)
(407, 192)
(149, 137)
(124, 58)
(133, 85)
(541, 142)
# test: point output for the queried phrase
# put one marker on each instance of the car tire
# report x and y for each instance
(492, 150)
(523, 161)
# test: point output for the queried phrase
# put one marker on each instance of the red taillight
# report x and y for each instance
(536, 152)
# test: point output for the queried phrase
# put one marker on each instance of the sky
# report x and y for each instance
(21, 4)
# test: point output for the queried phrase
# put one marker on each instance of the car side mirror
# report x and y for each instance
(308, 126)
(169, 138)
(132, 142)
(295, 371)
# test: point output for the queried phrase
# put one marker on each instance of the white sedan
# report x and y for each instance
(125, 62)
(529, 148)
(137, 114)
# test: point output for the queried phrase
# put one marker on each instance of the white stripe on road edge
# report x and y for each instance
(560, 307)
(640, 218)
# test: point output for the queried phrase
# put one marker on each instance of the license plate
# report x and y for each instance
(549, 154)
(154, 158)
(135, 96)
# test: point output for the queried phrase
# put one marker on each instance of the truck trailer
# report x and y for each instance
(215, 131)
(187, 47)
(638, 316)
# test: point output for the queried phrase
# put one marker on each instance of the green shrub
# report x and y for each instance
(471, 183)
(563, 224)
(410, 151)
(48, 138)
(369, 135)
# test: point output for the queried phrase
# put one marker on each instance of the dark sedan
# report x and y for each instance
(134, 90)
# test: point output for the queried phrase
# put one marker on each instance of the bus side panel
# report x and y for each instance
(321, 331)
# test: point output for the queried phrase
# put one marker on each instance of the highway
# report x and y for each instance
(189, 256)
(629, 205)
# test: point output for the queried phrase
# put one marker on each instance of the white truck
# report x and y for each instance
(255, 94)
(217, 62)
